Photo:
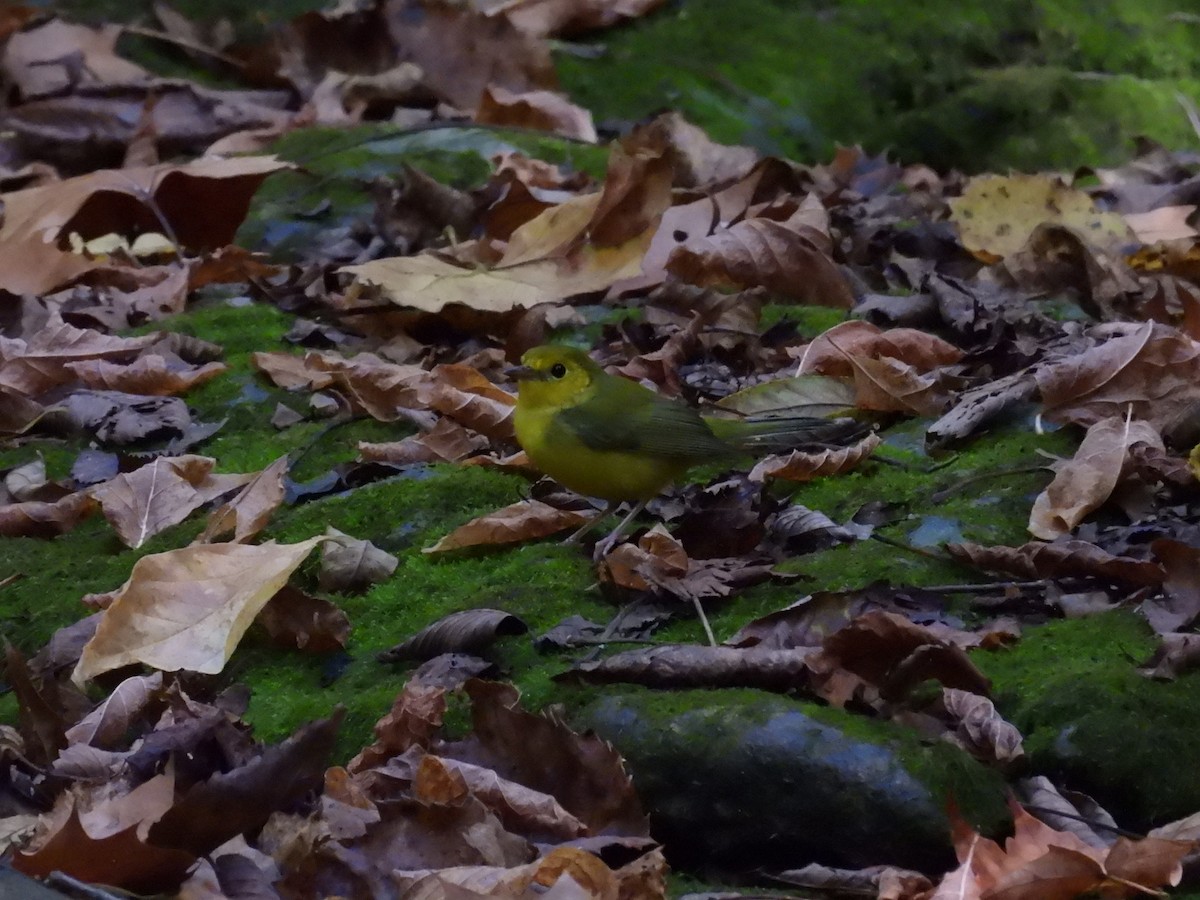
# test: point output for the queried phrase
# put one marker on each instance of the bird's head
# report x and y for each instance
(553, 377)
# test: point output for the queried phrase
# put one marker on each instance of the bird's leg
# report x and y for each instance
(609, 542)
(609, 508)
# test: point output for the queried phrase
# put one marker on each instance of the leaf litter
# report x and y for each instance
(100, 235)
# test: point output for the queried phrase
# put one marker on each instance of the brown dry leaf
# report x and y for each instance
(657, 556)
(434, 37)
(996, 214)
(784, 257)
(447, 441)
(527, 520)
(462, 392)
(1147, 371)
(803, 395)
(882, 881)
(538, 110)
(40, 519)
(108, 724)
(583, 772)
(160, 494)
(116, 201)
(188, 608)
(695, 157)
(1084, 482)
(122, 859)
(895, 654)
(430, 283)
(249, 512)
(698, 665)
(34, 366)
(980, 729)
(241, 800)
(520, 809)
(826, 354)
(888, 385)
(414, 720)
(1064, 559)
(150, 374)
(1040, 863)
(469, 631)
(801, 466)
(1167, 223)
(1174, 655)
(293, 618)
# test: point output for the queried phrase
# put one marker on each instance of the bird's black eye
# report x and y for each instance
(558, 370)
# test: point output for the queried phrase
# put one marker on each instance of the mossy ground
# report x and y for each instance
(972, 86)
(1015, 83)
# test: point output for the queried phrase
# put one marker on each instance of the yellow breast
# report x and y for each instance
(609, 475)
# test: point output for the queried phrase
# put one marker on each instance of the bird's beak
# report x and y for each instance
(524, 373)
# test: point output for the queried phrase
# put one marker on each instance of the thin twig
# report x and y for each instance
(900, 545)
(984, 587)
(712, 641)
(957, 487)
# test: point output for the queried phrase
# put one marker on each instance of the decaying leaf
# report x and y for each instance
(469, 631)
(349, 564)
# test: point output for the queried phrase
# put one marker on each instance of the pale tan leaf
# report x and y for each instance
(162, 493)
(249, 512)
(1083, 483)
(188, 608)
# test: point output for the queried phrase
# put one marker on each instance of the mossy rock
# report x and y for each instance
(1094, 723)
(743, 780)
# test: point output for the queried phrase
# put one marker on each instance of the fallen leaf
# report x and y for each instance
(1083, 483)
(996, 214)
(801, 466)
(527, 520)
(160, 494)
(470, 631)
(188, 608)
(350, 565)
(249, 512)
(538, 110)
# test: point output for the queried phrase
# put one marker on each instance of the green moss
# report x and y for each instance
(937, 84)
(1073, 690)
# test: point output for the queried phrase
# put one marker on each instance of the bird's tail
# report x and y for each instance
(777, 434)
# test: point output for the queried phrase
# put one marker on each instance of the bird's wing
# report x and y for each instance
(633, 422)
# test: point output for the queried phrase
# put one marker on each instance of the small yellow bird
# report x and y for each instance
(611, 438)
